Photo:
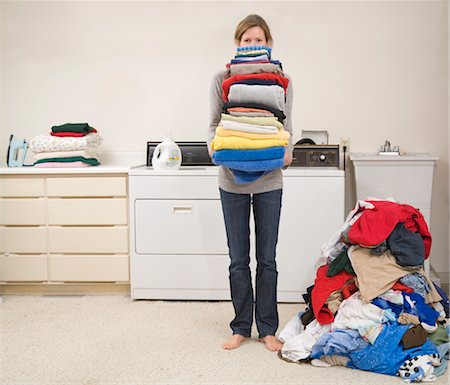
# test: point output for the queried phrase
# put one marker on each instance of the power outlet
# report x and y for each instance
(345, 142)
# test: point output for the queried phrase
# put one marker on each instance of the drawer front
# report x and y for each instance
(21, 187)
(174, 187)
(23, 268)
(179, 227)
(88, 239)
(87, 211)
(22, 211)
(86, 186)
(194, 272)
(23, 240)
(88, 268)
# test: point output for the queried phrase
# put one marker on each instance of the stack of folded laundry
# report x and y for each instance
(250, 139)
(68, 145)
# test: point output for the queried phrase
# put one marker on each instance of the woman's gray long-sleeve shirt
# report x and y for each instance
(270, 181)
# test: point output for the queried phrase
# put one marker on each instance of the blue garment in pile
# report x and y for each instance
(387, 354)
(445, 301)
(340, 342)
(444, 354)
(421, 309)
(244, 155)
(417, 282)
(383, 304)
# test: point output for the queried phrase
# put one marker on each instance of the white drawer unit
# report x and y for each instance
(178, 247)
(91, 239)
(23, 242)
(23, 268)
(92, 186)
(23, 239)
(56, 227)
(88, 268)
(88, 211)
(20, 186)
(23, 211)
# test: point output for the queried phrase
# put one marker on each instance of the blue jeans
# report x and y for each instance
(266, 212)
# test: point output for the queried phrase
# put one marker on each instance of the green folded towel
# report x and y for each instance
(73, 127)
(91, 161)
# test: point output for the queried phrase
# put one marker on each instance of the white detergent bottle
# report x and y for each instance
(167, 155)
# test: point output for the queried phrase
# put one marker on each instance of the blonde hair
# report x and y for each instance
(252, 21)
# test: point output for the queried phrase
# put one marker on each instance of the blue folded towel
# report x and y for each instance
(254, 165)
(251, 155)
(242, 177)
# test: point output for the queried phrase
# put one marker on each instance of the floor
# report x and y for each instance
(113, 340)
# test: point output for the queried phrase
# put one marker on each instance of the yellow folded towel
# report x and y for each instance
(238, 143)
(281, 135)
(257, 120)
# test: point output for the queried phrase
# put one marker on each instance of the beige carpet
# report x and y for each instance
(113, 340)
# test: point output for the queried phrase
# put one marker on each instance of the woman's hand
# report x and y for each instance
(287, 158)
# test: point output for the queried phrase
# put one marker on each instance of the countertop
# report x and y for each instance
(112, 169)
(213, 170)
(411, 156)
(143, 170)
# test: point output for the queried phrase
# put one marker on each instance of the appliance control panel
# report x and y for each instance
(316, 156)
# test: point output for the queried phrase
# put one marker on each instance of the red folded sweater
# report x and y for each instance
(226, 84)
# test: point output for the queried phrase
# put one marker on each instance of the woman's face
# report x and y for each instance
(252, 36)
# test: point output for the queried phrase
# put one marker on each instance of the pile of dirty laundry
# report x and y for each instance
(373, 306)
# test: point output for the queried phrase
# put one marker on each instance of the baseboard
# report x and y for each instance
(65, 289)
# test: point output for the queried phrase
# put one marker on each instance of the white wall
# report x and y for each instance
(366, 70)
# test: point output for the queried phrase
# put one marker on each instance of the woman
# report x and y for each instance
(265, 195)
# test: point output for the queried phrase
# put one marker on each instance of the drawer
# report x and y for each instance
(22, 211)
(175, 187)
(188, 272)
(92, 268)
(100, 211)
(179, 227)
(88, 239)
(23, 240)
(86, 186)
(23, 268)
(22, 187)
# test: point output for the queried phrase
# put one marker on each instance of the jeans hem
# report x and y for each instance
(246, 335)
(266, 334)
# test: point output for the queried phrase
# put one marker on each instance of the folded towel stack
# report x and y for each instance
(68, 145)
(250, 139)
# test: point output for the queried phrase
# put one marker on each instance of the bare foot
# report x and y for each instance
(234, 342)
(272, 344)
